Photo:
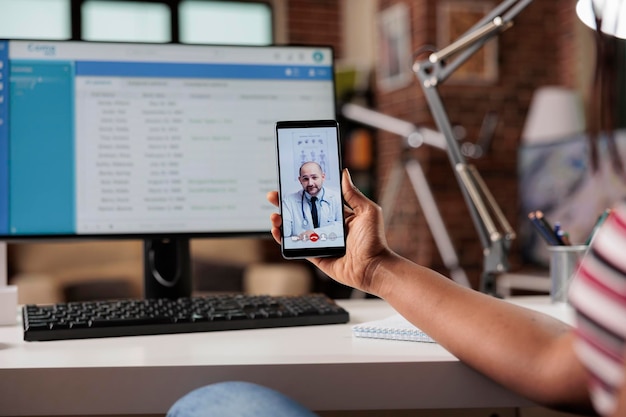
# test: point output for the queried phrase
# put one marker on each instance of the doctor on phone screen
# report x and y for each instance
(314, 208)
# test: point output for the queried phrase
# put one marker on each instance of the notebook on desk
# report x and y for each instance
(394, 327)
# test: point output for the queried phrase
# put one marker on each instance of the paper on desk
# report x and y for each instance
(394, 327)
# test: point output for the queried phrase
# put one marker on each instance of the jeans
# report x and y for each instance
(235, 398)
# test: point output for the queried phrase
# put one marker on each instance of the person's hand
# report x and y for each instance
(366, 244)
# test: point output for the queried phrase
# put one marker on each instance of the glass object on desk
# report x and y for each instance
(564, 262)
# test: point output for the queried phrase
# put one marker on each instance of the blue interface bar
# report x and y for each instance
(178, 70)
(4, 136)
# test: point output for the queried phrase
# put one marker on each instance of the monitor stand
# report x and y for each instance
(167, 268)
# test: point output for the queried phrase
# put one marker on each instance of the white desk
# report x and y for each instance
(324, 367)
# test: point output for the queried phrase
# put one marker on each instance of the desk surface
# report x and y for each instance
(324, 367)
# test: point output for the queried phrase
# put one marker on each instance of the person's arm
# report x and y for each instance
(528, 352)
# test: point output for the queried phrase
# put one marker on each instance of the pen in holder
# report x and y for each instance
(563, 264)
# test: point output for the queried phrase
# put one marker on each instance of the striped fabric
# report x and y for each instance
(598, 294)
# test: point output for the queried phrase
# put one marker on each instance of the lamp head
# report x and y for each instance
(612, 14)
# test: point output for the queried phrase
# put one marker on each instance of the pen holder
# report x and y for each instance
(563, 264)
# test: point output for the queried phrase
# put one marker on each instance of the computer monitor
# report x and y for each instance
(160, 142)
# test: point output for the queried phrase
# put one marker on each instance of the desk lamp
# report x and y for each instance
(495, 233)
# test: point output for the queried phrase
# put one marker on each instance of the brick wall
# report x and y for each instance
(538, 50)
(315, 22)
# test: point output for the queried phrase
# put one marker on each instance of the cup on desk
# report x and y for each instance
(563, 264)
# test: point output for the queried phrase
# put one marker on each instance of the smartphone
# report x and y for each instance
(309, 185)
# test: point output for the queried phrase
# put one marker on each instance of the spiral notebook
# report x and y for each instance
(394, 327)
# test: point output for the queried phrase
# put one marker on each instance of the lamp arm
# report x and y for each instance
(477, 37)
(494, 23)
(415, 136)
(493, 205)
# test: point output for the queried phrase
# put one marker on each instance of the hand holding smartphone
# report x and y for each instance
(309, 177)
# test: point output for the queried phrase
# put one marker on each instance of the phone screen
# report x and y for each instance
(311, 202)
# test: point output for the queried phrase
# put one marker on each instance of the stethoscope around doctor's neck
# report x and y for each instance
(305, 222)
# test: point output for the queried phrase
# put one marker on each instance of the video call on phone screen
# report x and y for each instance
(310, 175)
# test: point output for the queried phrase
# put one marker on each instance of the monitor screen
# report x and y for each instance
(140, 140)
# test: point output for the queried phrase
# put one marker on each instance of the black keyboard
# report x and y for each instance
(90, 319)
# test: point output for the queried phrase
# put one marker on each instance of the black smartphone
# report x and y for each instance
(309, 185)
